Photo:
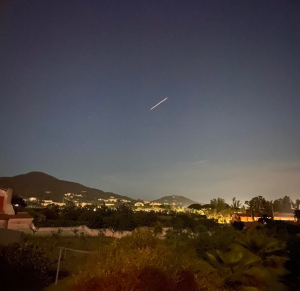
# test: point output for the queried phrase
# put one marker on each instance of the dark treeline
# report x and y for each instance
(259, 206)
(125, 218)
(265, 257)
(119, 219)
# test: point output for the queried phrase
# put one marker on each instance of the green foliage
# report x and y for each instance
(183, 221)
(218, 210)
(297, 214)
(195, 206)
(219, 204)
(83, 239)
(144, 262)
(236, 204)
(23, 267)
(233, 264)
(283, 205)
(56, 235)
(38, 218)
(292, 279)
(157, 228)
(259, 206)
(296, 205)
(121, 219)
(218, 238)
(143, 218)
(51, 212)
(91, 218)
(256, 261)
(141, 238)
(148, 279)
(258, 242)
(238, 225)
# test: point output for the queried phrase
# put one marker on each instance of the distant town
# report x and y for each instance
(37, 233)
(112, 202)
(35, 191)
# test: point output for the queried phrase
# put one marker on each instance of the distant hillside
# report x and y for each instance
(175, 199)
(44, 186)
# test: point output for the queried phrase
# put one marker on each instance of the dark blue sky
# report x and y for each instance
(77, 80)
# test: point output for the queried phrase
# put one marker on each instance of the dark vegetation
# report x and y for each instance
(125, 218)
(259, 206)
(120, 219)
(31, 265)
(262, 258)
(197, 254)
(23, 267)
(145, 262)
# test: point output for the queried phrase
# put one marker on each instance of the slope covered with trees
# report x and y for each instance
(44, 186)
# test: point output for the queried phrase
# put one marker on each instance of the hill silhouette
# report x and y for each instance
(43, 186)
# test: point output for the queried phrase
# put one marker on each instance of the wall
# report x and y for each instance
(69, 231)
(19, 224)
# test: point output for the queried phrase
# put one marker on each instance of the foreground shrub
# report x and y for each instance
(143, 262)
(292, 279)
(147, 279)
(256, 260)
(141, 238)
(23, 267)
(220, 238)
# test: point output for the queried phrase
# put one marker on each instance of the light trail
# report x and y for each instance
(159, 103)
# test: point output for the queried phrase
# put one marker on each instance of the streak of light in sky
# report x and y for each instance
(159, 103)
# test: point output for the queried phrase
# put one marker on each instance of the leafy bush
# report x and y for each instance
(238, 225)
(144, 262)
(292, 279)
(23, 267)
(147, 279)
(219, 238)
(157, 228)
(255, 261)
(141, 238)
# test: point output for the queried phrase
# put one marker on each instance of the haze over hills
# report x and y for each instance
(43, 186)
(175, 199)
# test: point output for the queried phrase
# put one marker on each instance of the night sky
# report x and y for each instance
(77, 80)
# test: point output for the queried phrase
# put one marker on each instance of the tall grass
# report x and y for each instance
(144, 262)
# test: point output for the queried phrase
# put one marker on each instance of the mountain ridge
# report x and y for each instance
(44, 186)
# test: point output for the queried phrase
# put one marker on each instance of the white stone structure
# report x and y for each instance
(8, 218)
(5, 202)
